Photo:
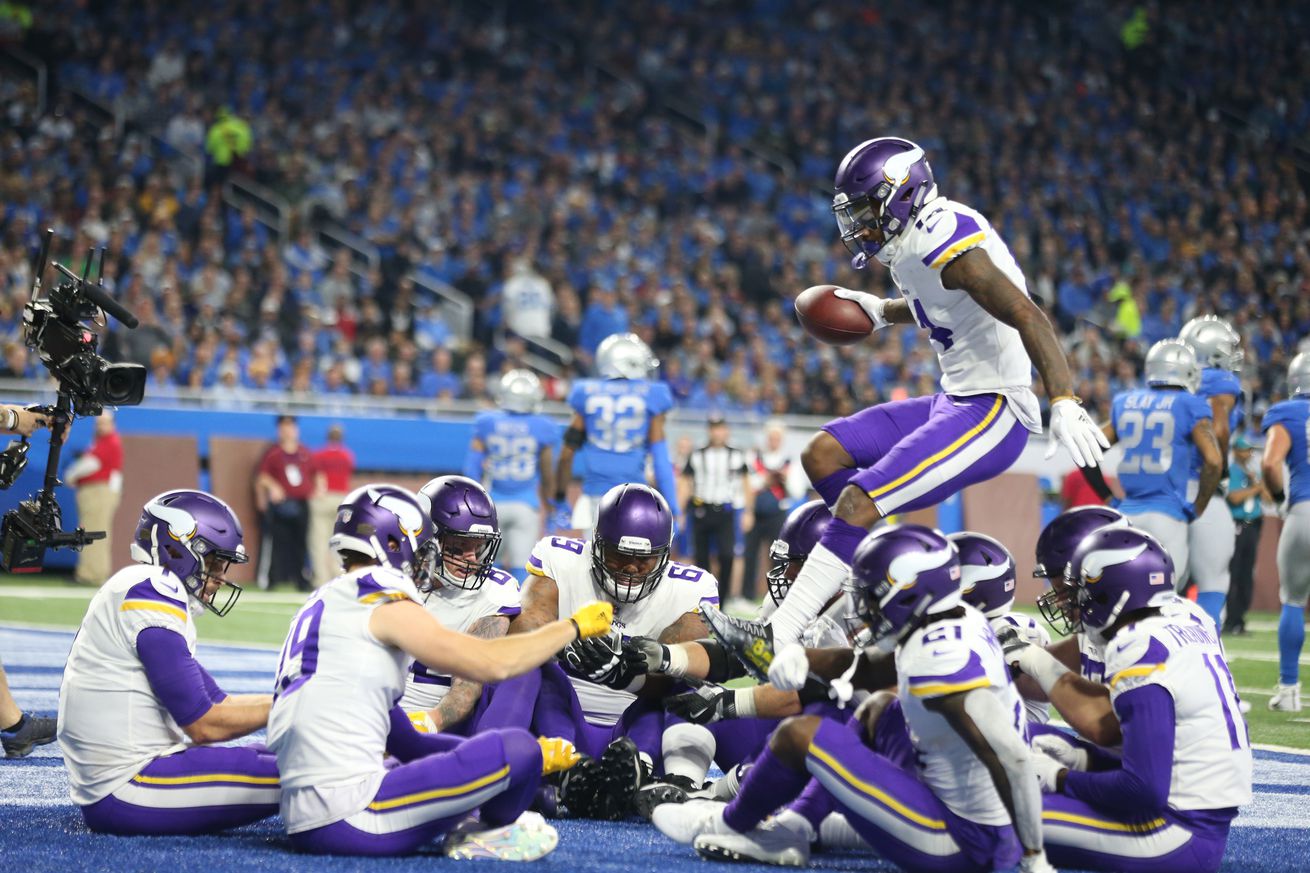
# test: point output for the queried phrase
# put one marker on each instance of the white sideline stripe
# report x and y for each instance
(68, 629)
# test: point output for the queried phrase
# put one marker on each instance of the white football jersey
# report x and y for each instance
(829, 630)
(333, 695)
(1031, 630)
(978, 354)
(568, 562)
(458, 609)
(949, 657)
(1091, 659)
(1179, 650)
(110, 722)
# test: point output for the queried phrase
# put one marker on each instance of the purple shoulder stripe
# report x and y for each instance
(1156, 653)
(973, 669)
(509, 610)
(146, 591)
(965, 227)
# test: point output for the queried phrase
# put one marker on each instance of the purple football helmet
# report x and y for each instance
(195, 536)
(1114, 571)
(465, 535)
(1055, 546)
(797, 537)
(987, 575)
(633, 526)
(881, 185)
(900, 574)
(384, 522)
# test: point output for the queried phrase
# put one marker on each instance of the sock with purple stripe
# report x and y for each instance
(830, 486)
(841, 538)
(769, 785)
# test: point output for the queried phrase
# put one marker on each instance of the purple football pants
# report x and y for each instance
(497, 771)
(559, 714)
(915, 453)
(196, 791)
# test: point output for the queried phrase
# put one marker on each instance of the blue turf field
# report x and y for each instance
(41, 831)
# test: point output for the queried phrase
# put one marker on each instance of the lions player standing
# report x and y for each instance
(619, 418)
(137, 712)
(1287, 441)
(959, 282)
(1166, 434)
(514, 448)
(1212, 536)
(334, 717)
(1166, 804)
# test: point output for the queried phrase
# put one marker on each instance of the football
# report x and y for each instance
(830, 319)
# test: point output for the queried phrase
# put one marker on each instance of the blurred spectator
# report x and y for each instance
(1075, 490)
(333, 466)
(1245, 491)
(283, 487)
(527, 300)
(227, 143)
(603, 317)
(778, 482)
(97, 474)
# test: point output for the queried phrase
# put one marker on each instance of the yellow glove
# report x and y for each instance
(593, 620)
(557, 755)
(423, 722)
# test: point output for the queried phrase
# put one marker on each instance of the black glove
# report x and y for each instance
(645, 655)
(704, 705)
(750, 641)
(601, 660)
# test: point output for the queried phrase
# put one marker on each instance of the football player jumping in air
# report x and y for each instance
(596, 698)
(937, 777)
(138, 714)
(463, 591)
(959, 282)
(618, 419)
(334, 718)
(1287, 441)
(1166, 801)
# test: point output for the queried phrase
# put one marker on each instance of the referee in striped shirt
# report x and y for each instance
(720, 485)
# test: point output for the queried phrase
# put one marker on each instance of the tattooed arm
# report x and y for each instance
(974, 273)
(464, 693)
(540, 605)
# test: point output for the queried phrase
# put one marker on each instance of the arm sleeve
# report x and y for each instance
(659, 456)
(1142, 783)
(175, 675)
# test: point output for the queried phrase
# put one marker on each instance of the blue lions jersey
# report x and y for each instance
(1216, 383)
(1155, 432)
(1294, 415)
(514, 442)
(616, 414)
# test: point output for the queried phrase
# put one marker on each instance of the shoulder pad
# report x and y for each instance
(944, 234)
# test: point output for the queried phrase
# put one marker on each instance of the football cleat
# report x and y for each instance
(526, 839)
(684, 822)
(557, 755)
(770, 843)
(750, 641)
(36, 730)
(671, 789)
(603, 788)
(1287, 698)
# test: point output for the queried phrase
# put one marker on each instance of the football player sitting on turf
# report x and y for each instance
(987, 579)
(334, 717)
(137, 711)
(595, 699)
(1166, 803)
(936, 778)
(466, 593)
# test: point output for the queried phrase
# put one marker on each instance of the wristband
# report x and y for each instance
(1074, 397)
(13, 419)
(577, 631)
(744, 700)
(674, 661)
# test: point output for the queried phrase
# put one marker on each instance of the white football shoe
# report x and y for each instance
(526, 839)
(1287, 698)
(684, 822)
(773, 842)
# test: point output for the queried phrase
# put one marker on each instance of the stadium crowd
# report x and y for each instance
(575, 178)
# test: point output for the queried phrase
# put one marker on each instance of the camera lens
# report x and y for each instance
(123, 385)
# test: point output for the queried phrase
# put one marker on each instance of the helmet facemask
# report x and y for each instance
(783, 571)
(610, 560)
(456, 559)
(209, 578)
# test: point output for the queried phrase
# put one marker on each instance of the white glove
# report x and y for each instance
(790, 668)
(1047, 769)
(872, 305)
(1036, 864)
(1062, 749)
(1073, 428)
